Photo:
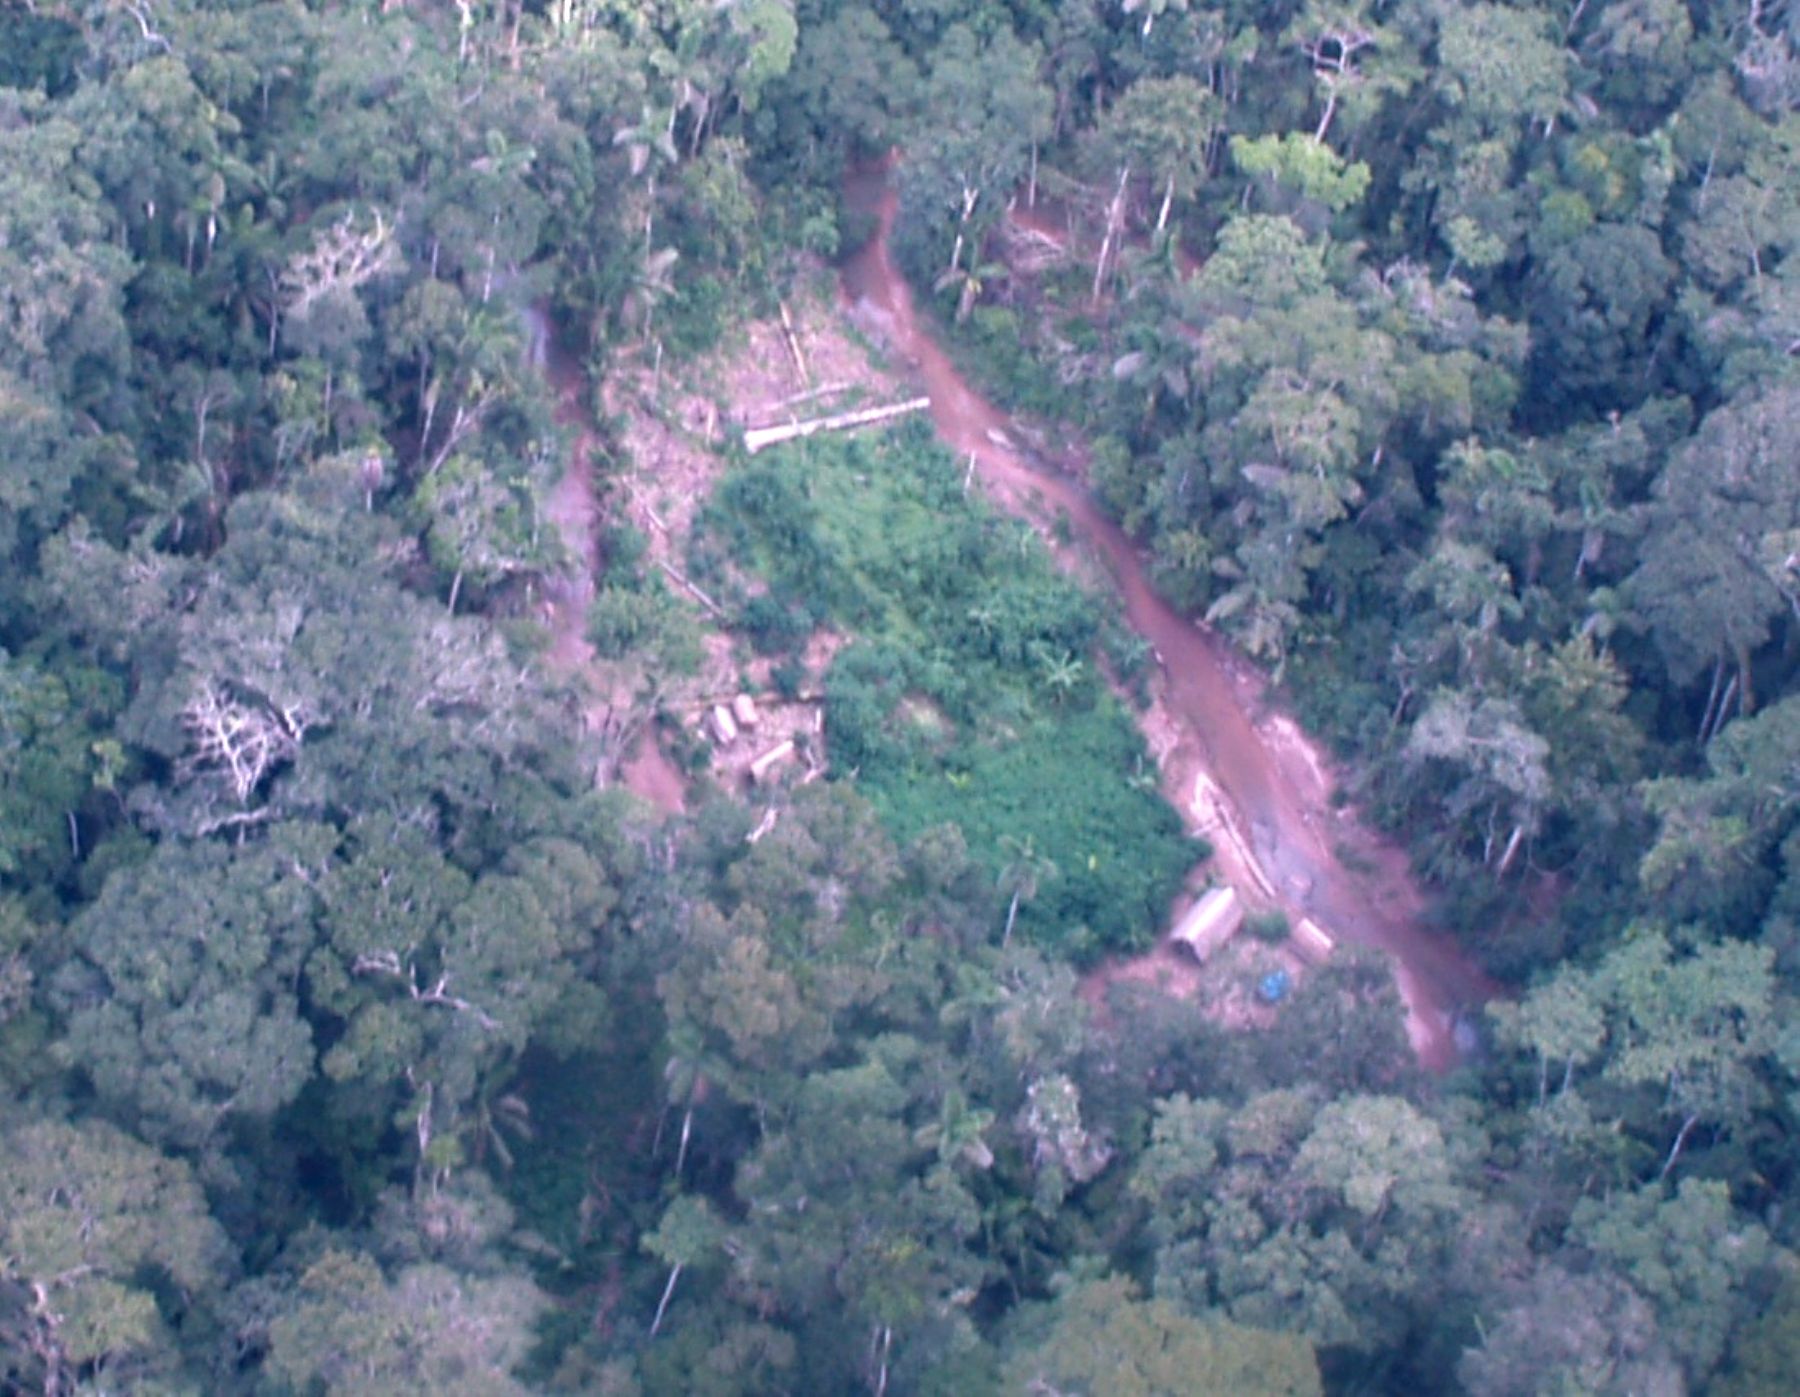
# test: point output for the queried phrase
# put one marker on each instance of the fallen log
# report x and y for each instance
(793, 343)
(824, 390)
(764, 825)
(758, 438)
(692, 589)
(769, 760)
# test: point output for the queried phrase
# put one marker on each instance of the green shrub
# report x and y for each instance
(776, 626)
(1270, 926)
(972, 694)
(646, 621)
(622, 550)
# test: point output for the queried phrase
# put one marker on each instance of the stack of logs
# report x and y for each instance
(727, 720)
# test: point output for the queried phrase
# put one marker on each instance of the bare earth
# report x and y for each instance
(671, 422)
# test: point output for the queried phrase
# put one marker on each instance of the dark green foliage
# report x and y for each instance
(1443, 356)
(41, 50)
(1271, 927)
(1117, 854)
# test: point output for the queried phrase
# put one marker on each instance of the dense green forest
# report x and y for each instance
(355, 1038)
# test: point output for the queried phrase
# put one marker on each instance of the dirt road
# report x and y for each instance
(1271, 780)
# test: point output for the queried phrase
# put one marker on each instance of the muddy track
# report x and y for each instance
(572, 508)
(1284, 843)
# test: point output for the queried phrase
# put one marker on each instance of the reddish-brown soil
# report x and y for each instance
(669, 421)
(1281, 841)
(638, 761)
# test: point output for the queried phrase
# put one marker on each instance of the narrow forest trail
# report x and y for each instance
(572, 508)
(1239, 769)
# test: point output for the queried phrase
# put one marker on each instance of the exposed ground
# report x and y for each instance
(671, 423)
(674, 419)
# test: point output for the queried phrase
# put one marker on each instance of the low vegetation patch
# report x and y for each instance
(971, 695)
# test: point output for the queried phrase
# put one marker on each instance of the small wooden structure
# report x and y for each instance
(1210, 922)
(743, 708)
(1313, 941)
(769, 760)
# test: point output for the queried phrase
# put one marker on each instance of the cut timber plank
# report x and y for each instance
(769, 760)
(759, 438)
(1313, 941)
(1210, 923)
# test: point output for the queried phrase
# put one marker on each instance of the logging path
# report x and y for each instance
(572, 508)
(1241, 771)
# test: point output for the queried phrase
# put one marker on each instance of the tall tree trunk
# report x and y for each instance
(1723, 712)
(1113, 212)
(1325, 118)
(1712, 699)
(969, 197)
(1681, 1137)
(1512, 850)
(663, 1304)
(687, 1128)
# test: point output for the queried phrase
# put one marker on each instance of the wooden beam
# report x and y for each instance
(759, 438)
(824, 390)
(692, 590)
(793, 343)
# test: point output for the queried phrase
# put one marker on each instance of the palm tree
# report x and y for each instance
(970, 282)
(1026, 870)
(655, 282)
(649, 147)
(495, 1115)
(1061, 669)
(957, 1133)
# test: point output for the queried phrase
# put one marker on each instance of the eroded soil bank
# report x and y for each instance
(1266, 785)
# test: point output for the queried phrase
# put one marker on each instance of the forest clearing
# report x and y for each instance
(1150, 747)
